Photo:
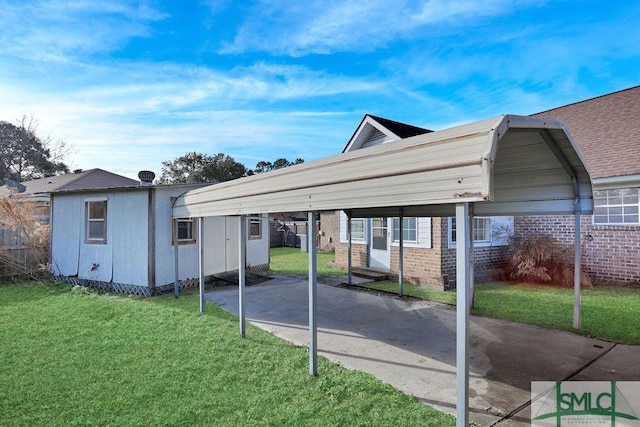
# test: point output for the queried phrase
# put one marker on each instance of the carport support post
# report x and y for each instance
(577, 269)
(176, 283)
(313, 292)
(349, 248)
(470, 261)
(463, 287)
(201, 261)
(400, 252)
(242, 274)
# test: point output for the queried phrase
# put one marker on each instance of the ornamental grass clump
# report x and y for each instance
(24, 246)
(542, 259)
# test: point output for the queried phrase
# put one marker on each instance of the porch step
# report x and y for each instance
(370, 273)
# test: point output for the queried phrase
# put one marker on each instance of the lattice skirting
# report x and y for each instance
(127, 289)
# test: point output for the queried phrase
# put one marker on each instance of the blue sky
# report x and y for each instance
(129, 84)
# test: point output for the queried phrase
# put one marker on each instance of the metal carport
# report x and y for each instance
(509, 165)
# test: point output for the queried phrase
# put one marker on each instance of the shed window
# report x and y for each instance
(357, 228)
(619, 206)
(481, 230)
(186, 231)
(409, 230)
(96, 221)
(255, 227)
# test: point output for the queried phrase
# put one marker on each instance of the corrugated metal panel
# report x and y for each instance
(504, 159)
(67, 230)
(128, 220)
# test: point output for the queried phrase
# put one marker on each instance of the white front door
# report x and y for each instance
(380, 245)
(232, 262)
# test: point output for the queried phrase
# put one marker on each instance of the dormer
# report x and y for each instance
(375, 130)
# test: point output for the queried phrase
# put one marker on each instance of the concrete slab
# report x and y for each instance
(411, 345)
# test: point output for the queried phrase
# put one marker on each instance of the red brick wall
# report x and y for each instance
(358, 255)
(330, 231)
(421, 266)
(486, 259)
(434, 267)
(610, 252)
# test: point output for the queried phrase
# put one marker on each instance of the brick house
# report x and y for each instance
(429, 243)
(607, 132)
(606, 129)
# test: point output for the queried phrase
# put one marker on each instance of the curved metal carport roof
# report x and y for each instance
(509, 165)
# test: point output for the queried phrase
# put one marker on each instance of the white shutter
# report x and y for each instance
(342, 225)
(424, 232)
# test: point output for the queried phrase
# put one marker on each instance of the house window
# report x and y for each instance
(255, 227)
(357, 228)
(96, 221)
(618, 206)
(409, 230)
(481, 230)
(186, 231)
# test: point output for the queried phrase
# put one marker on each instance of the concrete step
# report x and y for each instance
(370, 273)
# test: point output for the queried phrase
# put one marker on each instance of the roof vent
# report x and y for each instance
(77, 171)
(146, 178)
(15, 185)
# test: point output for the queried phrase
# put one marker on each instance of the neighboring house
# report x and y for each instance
(20, 255)
(606, 129)
(38, 190)
(428, 243)
(122, 239)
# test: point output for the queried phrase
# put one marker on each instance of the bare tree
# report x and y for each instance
(24, 155)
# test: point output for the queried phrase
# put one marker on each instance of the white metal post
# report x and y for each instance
(471, 262)
(577, 269)
(349, 248)
(313, 292)
(463, 245)
(176, 283)
(400, 253)
(242, 273)
(201, 260)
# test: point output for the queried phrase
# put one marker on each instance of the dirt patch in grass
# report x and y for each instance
(231, 279)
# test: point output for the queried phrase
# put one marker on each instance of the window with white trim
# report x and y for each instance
(481, 230)
(357, 228)
(409, 230)
(96, 221)
(616, 207)
(255, 227)
(186, 231)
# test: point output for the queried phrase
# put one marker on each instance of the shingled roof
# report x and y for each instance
(85, 180)
(606, 130)
(403, 130)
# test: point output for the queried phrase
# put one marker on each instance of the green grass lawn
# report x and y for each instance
(609, 313)
(293, 261)
(77, 358)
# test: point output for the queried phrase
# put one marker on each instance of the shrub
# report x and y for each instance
(542, 259)
(24, 247)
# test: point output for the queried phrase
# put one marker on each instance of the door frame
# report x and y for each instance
(380, 258)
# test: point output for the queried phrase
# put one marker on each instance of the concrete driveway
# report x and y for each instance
(411, 345)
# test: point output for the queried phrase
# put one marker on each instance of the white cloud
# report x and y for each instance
(323, 27)
(56, 30)
(118, 117)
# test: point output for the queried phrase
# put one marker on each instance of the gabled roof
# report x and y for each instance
(374, 130)
(86, 180)
(606, 130)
